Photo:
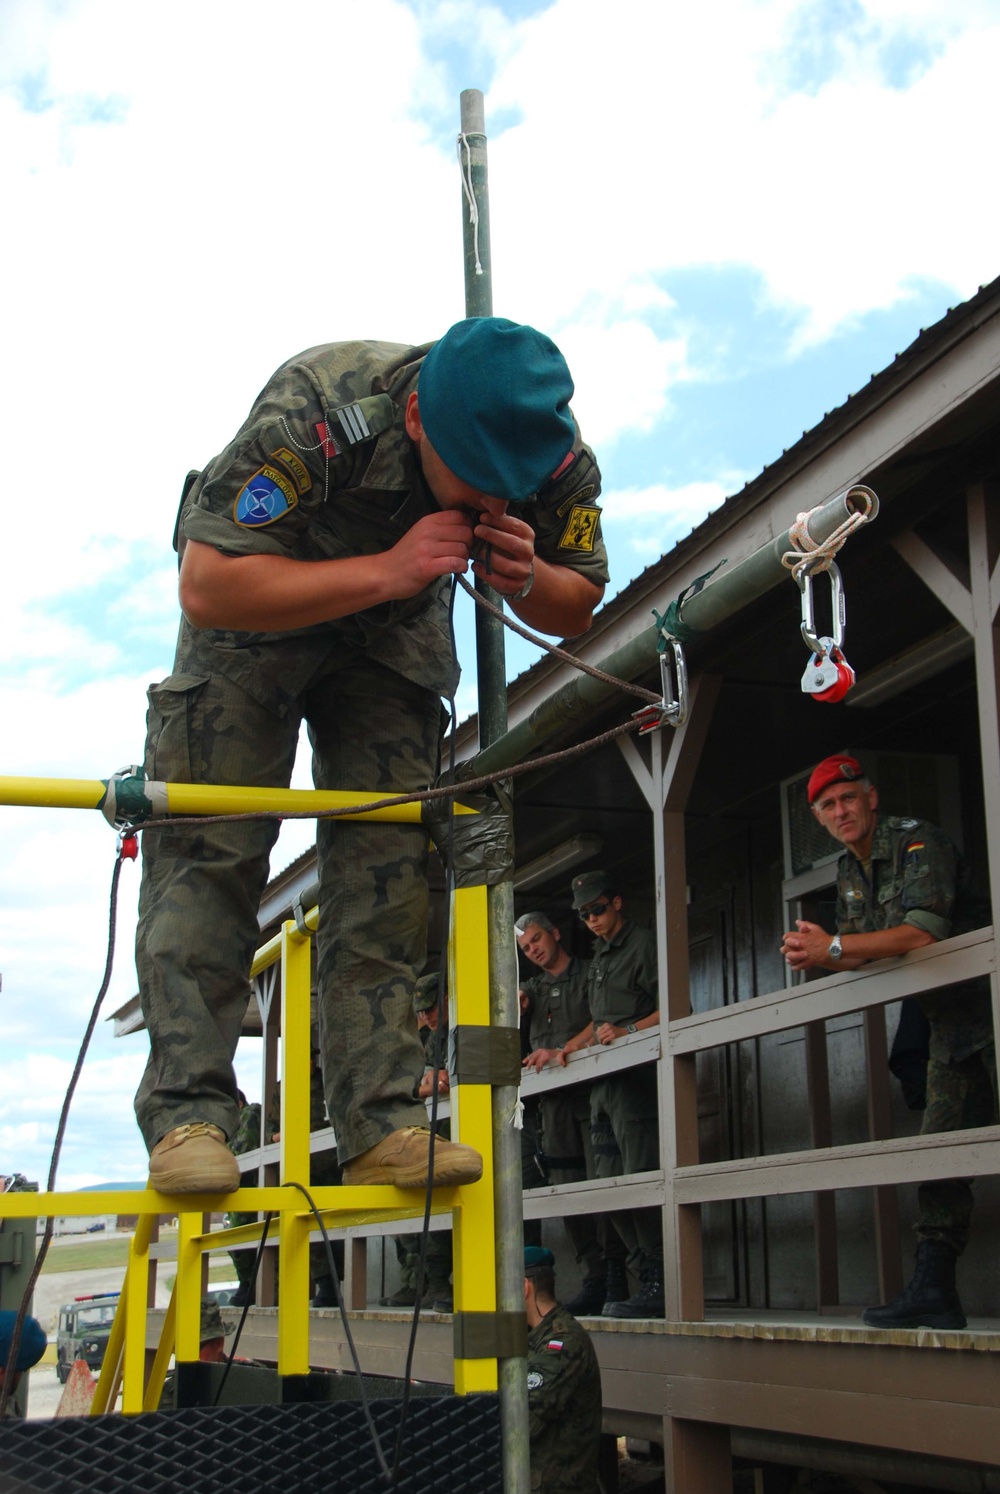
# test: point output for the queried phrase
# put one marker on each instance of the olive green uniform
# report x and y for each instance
(564, 1406)
(322, 468)
(559, 1010)
(624, 1108)
(918, 877)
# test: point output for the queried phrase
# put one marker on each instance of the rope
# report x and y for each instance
(465, 169)
(6, 1390)
(809, 556)
(558, 653)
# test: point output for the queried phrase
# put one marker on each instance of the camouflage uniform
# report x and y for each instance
(918, 877)
(624, 1108)
(564, 1406)
(322, 468)
(559, 1011)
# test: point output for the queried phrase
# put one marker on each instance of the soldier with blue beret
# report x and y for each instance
(31, 1347)
(901, 885)
(316, 556)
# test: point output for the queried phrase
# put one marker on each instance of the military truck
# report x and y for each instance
(84, 1327)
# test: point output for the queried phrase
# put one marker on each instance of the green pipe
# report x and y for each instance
(726, 594)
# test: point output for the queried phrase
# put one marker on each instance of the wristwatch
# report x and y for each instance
(836, 949)
(631, 1027)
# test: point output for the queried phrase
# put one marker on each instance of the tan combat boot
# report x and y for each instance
(193, 1159)
(404, 1157)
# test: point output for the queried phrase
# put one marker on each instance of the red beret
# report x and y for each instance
(836, 769)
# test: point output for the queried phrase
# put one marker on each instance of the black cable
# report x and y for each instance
(388, 1474)
(6, 1390)
(246, 1307)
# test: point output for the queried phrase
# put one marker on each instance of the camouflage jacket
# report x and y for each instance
(564, 1406)
(323, 469)
(918, 877)
(559, 1008)
(623, 976)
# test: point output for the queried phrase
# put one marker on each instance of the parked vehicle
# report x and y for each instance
(84, 1328)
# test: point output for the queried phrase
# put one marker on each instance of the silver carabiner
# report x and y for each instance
(814, 643)
(672, 709)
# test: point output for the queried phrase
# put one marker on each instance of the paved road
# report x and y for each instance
(44, 1390)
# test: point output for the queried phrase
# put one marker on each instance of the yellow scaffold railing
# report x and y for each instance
(471, 1206)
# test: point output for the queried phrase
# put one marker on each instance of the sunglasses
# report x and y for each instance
(595, 910)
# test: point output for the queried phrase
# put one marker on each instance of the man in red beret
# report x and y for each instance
(901, 884)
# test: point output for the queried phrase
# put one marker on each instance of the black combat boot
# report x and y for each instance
(324, 1294)
(615, 1286)
(930, 1300)
(243, 1294)
(589, 1299)
(648, 1300)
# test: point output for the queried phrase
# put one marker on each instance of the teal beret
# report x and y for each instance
(494, 403)
(537, 1255)
(32, 1345)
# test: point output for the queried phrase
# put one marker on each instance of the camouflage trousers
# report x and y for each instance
(959, 1096)
(370, 730)
(625, 1133)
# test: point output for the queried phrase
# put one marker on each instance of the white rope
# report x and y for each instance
(517, 1114)
(810, 556)
(465, 167)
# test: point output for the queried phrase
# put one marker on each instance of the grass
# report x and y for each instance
(91, 1255)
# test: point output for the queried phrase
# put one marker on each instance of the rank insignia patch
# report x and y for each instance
(581, 529)
(296, 466)
(265, 497)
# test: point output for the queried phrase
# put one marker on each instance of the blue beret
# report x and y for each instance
(494, 403)
(33, 1341)
(537, 1255)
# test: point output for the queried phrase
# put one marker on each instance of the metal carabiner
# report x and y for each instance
(803, 576)
(672, 709)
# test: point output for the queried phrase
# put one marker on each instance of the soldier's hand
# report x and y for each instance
(437, 545)
(540, 1057)
(504, 551)
(806, 946)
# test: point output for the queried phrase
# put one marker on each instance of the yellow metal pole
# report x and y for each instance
(136, 1303)
(474, 1226)
(293, 1254)
(209, 798)
(187, 1286)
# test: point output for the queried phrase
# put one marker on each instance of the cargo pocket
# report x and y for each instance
(170, 727)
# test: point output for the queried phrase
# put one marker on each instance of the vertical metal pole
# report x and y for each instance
(504, 1011)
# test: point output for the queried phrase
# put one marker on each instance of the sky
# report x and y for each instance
(728, 217)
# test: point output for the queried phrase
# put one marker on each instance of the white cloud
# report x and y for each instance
(654, 518)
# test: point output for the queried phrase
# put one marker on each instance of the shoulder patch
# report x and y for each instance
(296, 466)
(535, 1380)
(904, 824)
(555, 1344)
(264, 498)
(581, 528)
(914, 846)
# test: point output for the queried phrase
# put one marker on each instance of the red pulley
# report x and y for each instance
(844, 681)
(129, 848)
